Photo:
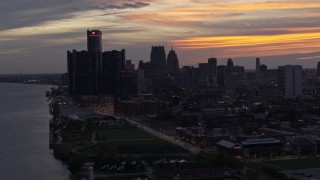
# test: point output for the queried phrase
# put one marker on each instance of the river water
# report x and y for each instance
(24, 135)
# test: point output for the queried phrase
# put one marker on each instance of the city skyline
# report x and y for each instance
(35, 35)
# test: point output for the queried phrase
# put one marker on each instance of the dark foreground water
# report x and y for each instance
(24, 135)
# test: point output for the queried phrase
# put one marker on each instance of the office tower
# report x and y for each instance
(94, 40)
(263, 71)
(94, 45)
(129, 66)
(258, 68)
(212, 78)
(147, 68)
(172, 63)
(212, 65)
(127, 84)
(190, 78)
(204, 72)
(263, 68)
(318, 70)
(290, 80)
(229, 65)
(158, 56)
(80, 73)
(221, 75)
(158, 65)
(207, 72)
(158, 61)
(113, 62)
(141, 81)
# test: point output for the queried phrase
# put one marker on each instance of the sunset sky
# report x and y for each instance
(35, 34)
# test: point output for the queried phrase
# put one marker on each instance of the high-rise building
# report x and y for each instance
(129, 65)
(113, 62)
(158, 61)
(94, 40)
(229, 65)
(94, 45)
(190, 78)
(172, 63)
(212, 78)
(208, 72)
(158, 56)
(204, 72)
(318, 70)
(80, 73)
(158, 66)
(263, 71)
(84, 68)
(141, 81)
(290, 80)
(127, 84)
(258, 68)
(213, 65)
(221, 75)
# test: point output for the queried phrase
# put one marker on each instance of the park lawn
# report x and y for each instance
(152, 146)
(114, 134)
(301, 163)
(289, 164)
(136, 141)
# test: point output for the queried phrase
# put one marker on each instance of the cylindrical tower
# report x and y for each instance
(94, 40)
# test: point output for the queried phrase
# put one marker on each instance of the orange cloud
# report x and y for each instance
(262, 45)
(208, 12)
(280, 5)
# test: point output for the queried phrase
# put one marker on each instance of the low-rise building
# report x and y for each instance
(262, 147)
(230, 148)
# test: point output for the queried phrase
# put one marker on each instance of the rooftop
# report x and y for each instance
(226, 144)
(260, 141)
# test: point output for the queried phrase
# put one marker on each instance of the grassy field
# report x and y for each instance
(136, 141)
(300, 163)
(124, 134)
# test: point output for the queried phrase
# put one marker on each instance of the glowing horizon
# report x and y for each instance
(235, 28)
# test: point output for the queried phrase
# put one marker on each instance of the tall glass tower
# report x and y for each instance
(94, 40)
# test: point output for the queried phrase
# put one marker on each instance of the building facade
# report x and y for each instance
(290, 80)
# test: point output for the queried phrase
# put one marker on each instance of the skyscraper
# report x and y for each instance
(94, 40)
(221, 75)
(172, 63)
(229, 65)
(208, 72)
(212, 78)
(113, 62)
(318, 70)
(158, 56)
(80, 73)
(94, 45)
(84, 66)
(290, 80)
(158, 67)
(213, 65)
(258, 68)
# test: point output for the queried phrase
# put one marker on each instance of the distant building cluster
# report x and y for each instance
(95, 72)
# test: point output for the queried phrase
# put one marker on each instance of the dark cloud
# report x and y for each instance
(121, 6)
(21, 13)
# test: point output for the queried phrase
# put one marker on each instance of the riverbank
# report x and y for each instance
(120, 147)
